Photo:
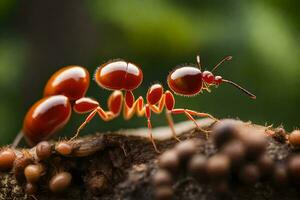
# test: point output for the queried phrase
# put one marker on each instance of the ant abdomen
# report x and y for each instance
(71, 81)
(46, 117)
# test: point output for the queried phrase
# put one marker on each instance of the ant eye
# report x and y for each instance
(208, 77)
(218, 80)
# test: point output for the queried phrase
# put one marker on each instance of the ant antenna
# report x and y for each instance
(198, 62)
(223, 60)
(252, 96)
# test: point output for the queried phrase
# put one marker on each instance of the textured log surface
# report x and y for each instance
(114, 166)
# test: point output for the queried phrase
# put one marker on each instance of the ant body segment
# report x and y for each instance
(67, 88)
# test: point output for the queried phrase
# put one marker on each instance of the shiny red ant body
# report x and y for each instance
(67, 88)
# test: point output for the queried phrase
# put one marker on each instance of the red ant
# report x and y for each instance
(120, 75)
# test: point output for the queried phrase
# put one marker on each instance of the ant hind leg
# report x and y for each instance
(189, 113)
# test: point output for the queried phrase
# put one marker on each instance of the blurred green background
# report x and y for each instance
(39, 37)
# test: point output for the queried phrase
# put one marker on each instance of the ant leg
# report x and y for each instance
(105, 115)
(87, 120)
(171, 124)
(148, 115)
(190, 117)
(199, 114)
(17, 139)
(206, 87)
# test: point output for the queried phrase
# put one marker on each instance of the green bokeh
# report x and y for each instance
(263, 37)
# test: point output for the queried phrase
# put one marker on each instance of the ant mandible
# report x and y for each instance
(67, 88)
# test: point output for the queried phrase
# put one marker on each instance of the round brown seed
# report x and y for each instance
(30, 188)
(60, 182)
(197, 166)
(280, 175)
(164, 193)
(162, 177)
(294, 138)
(235, 150)
(218, 166)
(186, 149)
(294, 167)
(255, 144)
(64, 148)
(249, 174)
(224, 131)
(265, 164)
(33, 173)
(20, 163)
(7, 158)
(169, 160)
(43, 150)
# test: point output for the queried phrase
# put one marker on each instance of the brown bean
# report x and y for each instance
(7, 158)
(249, 174)
(43, 150)
(60, 182)
(33, 172)
(197, 166)
(255, 144)
(235, 150)
(162, 177)
(186, 149)
(64, 148)
(280, 175)
(294, 168)
(218, 166)
(294, 138)
(266, 165)
(169, 160)
(21, 163)
(224, 131)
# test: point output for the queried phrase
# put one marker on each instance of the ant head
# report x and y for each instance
(208, 77)
(119, 75)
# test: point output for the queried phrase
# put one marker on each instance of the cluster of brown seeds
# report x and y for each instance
(241, 160)
(29, 166)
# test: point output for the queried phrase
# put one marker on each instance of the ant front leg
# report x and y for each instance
(170, 103)
(85, 105)
(189, 114)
